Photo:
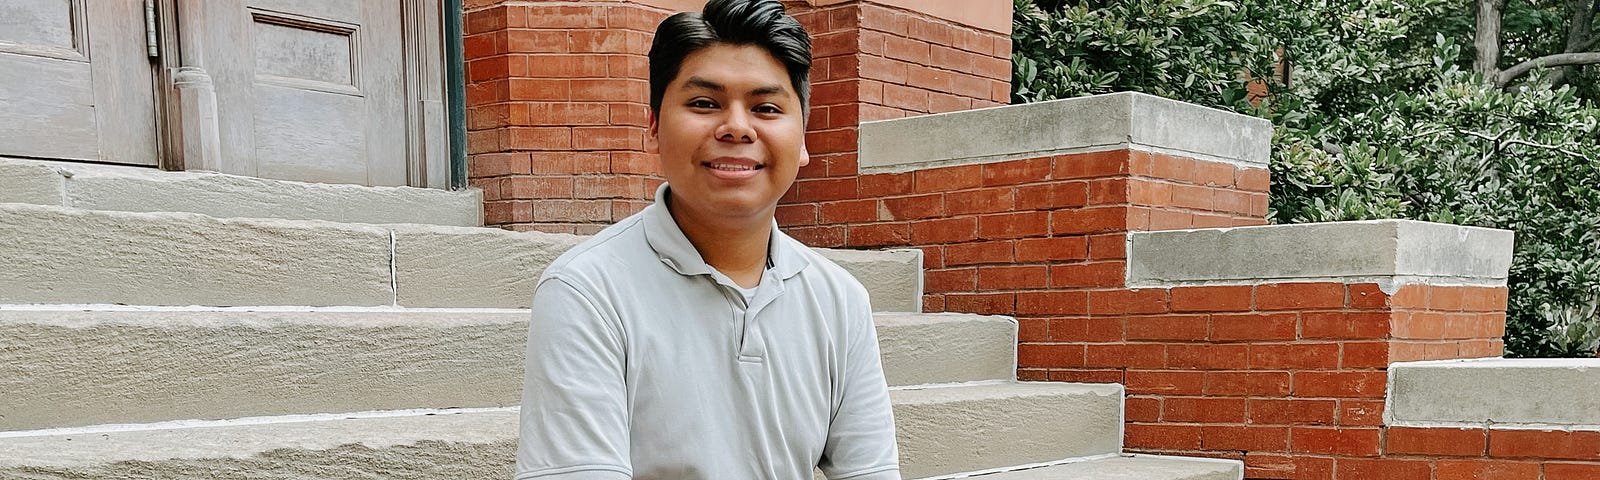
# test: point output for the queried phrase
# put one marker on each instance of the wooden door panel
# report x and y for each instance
(74, 82)
(311, 136)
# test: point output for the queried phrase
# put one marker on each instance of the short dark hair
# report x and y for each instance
(762, 23)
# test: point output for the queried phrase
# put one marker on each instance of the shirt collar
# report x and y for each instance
(674, 249)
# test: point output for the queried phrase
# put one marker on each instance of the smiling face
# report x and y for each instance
(731, 133)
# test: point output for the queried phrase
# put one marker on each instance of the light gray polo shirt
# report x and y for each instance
(644, 362)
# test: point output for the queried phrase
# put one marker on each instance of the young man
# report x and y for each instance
(695, 341)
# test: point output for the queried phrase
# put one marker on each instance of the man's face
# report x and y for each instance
(731, 133)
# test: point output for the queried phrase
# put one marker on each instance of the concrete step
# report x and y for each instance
(66, 367)
(951, 430)
(133, 189)
(56, 255)
(1130, 467)
(945, 430)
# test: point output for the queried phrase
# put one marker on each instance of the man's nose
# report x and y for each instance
(736, 127)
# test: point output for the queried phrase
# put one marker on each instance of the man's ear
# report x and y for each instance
(651, 144)
(805, 155)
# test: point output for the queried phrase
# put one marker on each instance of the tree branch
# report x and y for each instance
(1547, 61)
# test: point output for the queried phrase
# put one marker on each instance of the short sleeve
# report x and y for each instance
(574, 420)
(861, 437)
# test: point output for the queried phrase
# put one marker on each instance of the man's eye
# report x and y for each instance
(702, 103)
(768, 108)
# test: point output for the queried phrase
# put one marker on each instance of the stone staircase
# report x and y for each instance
(264, 329)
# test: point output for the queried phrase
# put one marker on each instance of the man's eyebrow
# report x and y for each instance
(767, 90)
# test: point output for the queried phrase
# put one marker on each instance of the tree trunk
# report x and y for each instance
(1487, 38)
(1579, 33)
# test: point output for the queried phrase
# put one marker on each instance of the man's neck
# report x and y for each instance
(736, 247)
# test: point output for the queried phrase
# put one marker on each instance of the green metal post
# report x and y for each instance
(456, 81)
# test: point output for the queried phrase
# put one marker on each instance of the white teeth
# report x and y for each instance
(732, 168)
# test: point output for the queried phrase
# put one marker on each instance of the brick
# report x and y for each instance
(1089, 220)
(948, 179)
(1208, 356)
(1299, 296)
(878, 235)
(986, 200)
(1013, 225)
(610, 90)
(981, 303)
(1078, 329)
(1193, 197)
(1441, 441)
(1165, 382)
(1051, 196)
(796, 214)
(1031, 330)
(1092, 165)
(1343, 325)
(1254, 327)
(1111, 191)
(1384, 469)
(1335, 441)
(542, 138)
(913, 208)
(1108, 247)
(1419, 325)
(1050, 249)
(570, 210)
(1142, 409)
(1164, 327)
(978, 253)
(1087, 376)
(607, 138)
(820, 236)
(568, 66)
(1212, 298)
(951, 280)
(1162, 219)
(947, 230)
(1052, 303)
(1124, 302)
(1013, 277)
(1017, 172)
(569, 114)
(1339, 384)
(1445, 299)
(1150, 193)
(1360, 355)
(1292, 411)
(1085, 275)
(635, 163)
(1252, 179)
(1247, 384)
(1245, 438)
(831, 141)
(849, 211)
(1355, 412)
(1050, 355)
(539, 89)
(885, 185)
(905, 98)
(1487, 470)
(1163, 436)
(553, 16)
(825, 189)
(1571, 471)
(606, 187)
(1545, 444)
(1203, 410)
(498, 164)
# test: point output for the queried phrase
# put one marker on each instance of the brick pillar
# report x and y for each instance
(558, 94)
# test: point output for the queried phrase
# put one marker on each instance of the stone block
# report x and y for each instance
(1553, 392)
(961, 429)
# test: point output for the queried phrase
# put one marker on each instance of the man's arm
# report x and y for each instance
(574, 400)
(861, 441)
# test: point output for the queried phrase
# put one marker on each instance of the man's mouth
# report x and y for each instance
(733, 167)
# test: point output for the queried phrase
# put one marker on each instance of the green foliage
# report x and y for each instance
(1381, 120)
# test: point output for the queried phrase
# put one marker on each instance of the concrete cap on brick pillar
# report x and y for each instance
(1534, 392)
(1114, 121)
(1390, 253)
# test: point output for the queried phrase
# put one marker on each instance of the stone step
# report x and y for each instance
(56, 255)
(944, 430)
(1130, 467)
(133, 189)
(61, 367)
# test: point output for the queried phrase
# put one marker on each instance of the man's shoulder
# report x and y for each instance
(602, 254)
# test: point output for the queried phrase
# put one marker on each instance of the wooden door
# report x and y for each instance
(76, 82)
(307, 90)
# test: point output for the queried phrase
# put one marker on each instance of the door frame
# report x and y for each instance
(187, 127)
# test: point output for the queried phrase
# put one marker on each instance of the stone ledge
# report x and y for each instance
(1534, 392)
(1114, 121)
(133, 189)
(1388, 252)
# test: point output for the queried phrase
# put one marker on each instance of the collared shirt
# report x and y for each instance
(644, 362)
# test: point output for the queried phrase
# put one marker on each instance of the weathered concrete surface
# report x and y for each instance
(1084, 124)
(963, 429)
(1543, 391)
(132, 189)
(61, 368)
(946, 348)
(893, 277)
(472, 267)
(66, 369)
(64, 255)
(448, 446)
(1400, 250)
(945, 430)
(34, 183)
(1131, 467)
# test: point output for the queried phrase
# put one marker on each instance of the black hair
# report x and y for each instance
(762, 23)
